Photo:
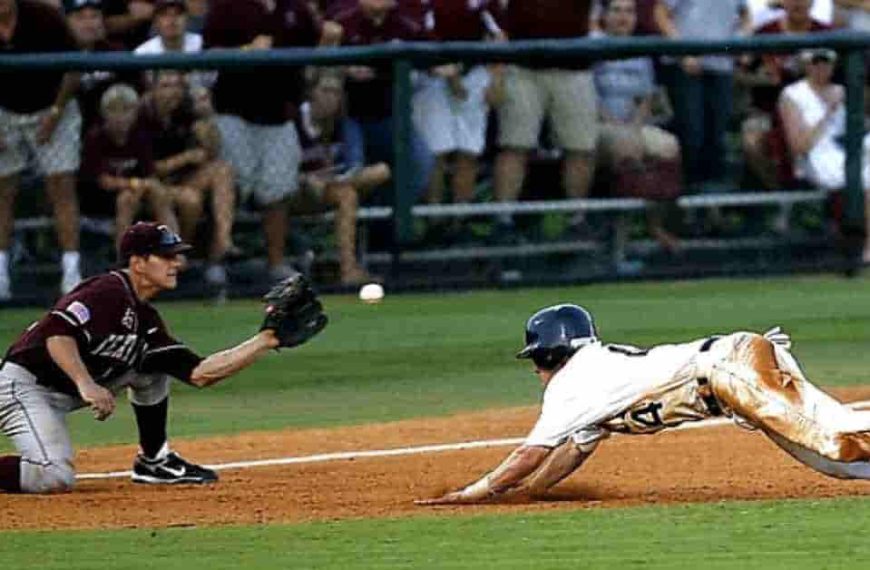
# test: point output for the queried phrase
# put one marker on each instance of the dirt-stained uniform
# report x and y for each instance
(123, 343)
(606, 388)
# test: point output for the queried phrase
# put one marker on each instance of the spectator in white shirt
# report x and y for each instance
(170, 23)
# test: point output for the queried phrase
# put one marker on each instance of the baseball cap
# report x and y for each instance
(147, 238)
(161, 5)
(70, 6)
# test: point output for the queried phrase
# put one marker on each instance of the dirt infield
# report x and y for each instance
(702, 465)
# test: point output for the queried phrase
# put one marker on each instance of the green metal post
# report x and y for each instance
(854, 214)
(403, 193)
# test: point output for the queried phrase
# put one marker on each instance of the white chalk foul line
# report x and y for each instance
(337, 456)
(436, 448)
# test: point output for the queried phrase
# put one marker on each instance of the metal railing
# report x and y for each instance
(406, 56)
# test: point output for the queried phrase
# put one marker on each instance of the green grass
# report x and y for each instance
(791, 535)
(418, 355)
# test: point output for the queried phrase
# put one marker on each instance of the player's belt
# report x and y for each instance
(706, 392)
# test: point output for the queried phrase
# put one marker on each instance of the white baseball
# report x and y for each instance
(371, 293)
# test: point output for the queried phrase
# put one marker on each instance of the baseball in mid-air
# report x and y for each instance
(371, 293)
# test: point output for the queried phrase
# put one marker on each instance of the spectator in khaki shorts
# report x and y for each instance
(118, 164)
(187, 161)
(561, 91)
(39, 118)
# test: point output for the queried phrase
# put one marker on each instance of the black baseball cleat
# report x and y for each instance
(170, 470)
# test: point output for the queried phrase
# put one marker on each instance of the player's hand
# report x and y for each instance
(101, 400)
(691, 65)
(47, 125)
(453, 498)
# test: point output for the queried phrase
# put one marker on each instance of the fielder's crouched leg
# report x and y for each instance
(763, 384)
(54, 476)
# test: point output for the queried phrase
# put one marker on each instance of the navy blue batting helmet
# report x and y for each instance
(555, 333)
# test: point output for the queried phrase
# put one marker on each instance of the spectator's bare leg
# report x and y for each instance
(866, 254)
(275, 230)
(437, 185)
(160, 200)
(346, 200)
(223, 203)
(188, 201)
(464, 177)
(371, 177)
(126, 205)
(577, 173)
(61, 191)
(510, 173)
(8, 191)
(756, 158)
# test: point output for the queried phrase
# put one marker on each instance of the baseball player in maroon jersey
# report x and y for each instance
(104, 336)
(593, 389)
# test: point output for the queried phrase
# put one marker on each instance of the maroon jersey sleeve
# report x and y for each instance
(233, 23)
(163, 352)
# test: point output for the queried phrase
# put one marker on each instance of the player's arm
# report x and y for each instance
(225, 363)
(563, 461)
(522, 462)
(65, 353)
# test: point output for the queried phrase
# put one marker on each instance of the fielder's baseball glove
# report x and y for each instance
(293, 311)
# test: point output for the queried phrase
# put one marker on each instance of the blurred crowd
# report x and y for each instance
(189, 149)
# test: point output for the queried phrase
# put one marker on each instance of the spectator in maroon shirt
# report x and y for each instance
(762, 136)
(256, 106)
(562, 91)
(369, 127)
(86, 22)
(39, 119)
(118, 163)
(128, 22)
(187, 161)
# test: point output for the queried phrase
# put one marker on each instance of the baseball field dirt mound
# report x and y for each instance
(701, 465)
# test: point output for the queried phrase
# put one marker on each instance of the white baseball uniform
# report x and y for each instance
(608, 388)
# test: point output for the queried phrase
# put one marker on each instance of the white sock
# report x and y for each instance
(70, 262)
(4, 262)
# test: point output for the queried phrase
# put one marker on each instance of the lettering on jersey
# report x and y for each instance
(121, 347)
(129, 319)
(80, 311)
